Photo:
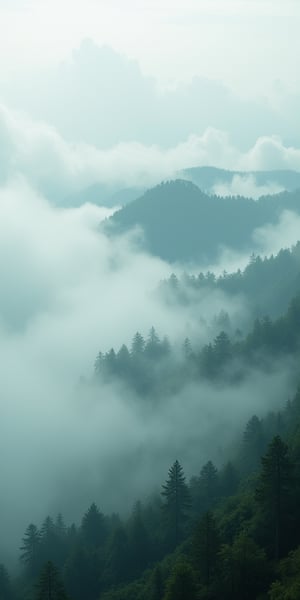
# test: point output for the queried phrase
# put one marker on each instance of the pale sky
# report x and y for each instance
(105, 72)
(248, 44)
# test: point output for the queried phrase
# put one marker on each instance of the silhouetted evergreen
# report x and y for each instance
(177, 501)
(50, 585)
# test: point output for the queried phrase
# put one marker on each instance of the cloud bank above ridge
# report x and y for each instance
(101, 97)
(56, 168)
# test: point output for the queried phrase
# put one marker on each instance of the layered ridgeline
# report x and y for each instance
(181, 223)
(206, 178)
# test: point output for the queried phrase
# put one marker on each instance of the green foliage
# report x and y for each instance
(274, 493)
(183, 224)
(243, 569)
(253, 445)
(50, 585)
(208, 487)
(205, 548)
(182, 583)
(82, 573)
(177, 501)
(233, 524)
(6, 592)
(156, 585)
(31, 549)
(229, 479)
(288, 588)
(93, 527)
(139, 543)
(118, 565)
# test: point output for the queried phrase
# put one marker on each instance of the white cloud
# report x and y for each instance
(101, 97)
(246, 185)
(57, 168)
(270, 153)
(284, 234)
(67, 292)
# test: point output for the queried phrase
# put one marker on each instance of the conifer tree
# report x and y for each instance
(152, 347)
(31, 549)
(117, 556)
(93, 527)
(181, 584)
(243, 569)
(253, 445)
(138, 541)
(6, 592)
(50, 585)
(156, 590)
(208, 483)
(177, 499)
(138, 345)
(205, 547)
(274, 490)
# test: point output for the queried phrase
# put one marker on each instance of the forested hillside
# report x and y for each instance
(266, 285)
(231, 531)
(182, 223)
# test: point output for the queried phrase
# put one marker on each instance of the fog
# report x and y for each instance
(57, 168)
(68, 292)
(246, 185)
(126, 105)
(126, 97)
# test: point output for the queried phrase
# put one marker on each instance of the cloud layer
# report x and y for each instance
(67, 292)
(58, 168)
(101, 97)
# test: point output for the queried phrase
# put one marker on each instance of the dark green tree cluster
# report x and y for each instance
(182, 224)
(228, 533)
(141, 366)
(268, 284)
(154, 369)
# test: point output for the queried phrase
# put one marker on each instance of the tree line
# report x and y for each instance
(232, 532)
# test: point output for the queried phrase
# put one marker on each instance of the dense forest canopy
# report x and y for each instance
(182, 223)
(266, 285)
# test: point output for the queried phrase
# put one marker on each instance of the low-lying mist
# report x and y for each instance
(67, 292)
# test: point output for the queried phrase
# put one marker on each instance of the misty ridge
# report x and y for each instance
(152, 397)
(149, 321)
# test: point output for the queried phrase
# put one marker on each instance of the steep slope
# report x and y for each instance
(267, 285)
(182, 223)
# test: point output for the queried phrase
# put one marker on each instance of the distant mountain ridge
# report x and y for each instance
(207, 177)
(182, 223)
(103, 194)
